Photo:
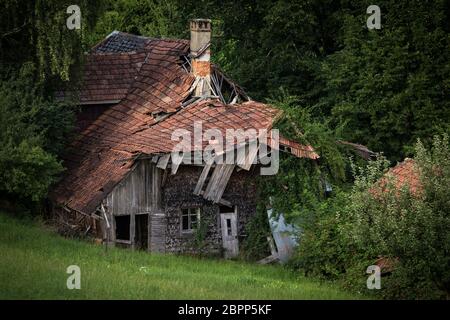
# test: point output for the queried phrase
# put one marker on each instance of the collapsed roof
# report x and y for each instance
(149, 84)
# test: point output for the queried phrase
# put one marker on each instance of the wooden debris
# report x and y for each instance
(268, 260)
(218, 182)
(251, 154)
(226, 203)
(274, 254)
(163, 161)
(175, 166)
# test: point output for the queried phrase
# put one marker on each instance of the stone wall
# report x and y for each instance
(178, 194)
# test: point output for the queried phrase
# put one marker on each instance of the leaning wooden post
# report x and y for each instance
(108, 227)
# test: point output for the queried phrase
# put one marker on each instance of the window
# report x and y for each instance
(190, 219)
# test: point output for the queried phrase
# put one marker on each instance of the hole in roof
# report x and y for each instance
(185, 63)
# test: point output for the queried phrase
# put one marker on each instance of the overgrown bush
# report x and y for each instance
(255, 246)
(33, 131)
(409, 228)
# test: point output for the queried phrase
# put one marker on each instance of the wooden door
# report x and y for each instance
(229, 234)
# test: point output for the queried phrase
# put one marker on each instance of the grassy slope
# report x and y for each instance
(33, 264)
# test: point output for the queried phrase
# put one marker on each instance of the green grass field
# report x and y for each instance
(33, 263)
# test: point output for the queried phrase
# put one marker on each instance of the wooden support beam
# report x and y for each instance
(132, 230)
(202, 179)
(174, 166)
(164, 178)
(251, 154)
(273, 249)
(223, 182)
(268, 260)
(225, 203)
(218, 182)
(274, 253)
(213, 181)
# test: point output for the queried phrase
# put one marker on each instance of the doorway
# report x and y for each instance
(230, 242)
(141, 235)
(122, 224)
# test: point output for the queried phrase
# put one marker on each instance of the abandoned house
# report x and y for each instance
(122, 184)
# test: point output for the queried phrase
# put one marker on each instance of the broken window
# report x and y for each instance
(122, 227)
(229, 231)
(190, 219)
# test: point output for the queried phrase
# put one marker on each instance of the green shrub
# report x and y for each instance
(255, 246)
(355, 228)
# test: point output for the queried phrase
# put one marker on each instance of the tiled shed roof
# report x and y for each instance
(405, 173)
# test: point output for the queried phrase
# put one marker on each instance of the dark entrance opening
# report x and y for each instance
(141, 231)
(122, 227)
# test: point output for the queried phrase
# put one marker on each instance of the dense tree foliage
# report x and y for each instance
(390, 86)
(36, 31)
(38, 54)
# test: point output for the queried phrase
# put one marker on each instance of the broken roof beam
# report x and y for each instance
(239, 90)
(218, 182)
(175, 166)
(292, 147)
(212, 181)
(253, 148)
(360, 149)
(225, 203)
(163, 161)
(217, 86)
(202, 179)
(223, 182)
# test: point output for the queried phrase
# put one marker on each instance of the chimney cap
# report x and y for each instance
(200, 25)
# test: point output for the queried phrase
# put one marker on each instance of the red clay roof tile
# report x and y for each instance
(403, 174)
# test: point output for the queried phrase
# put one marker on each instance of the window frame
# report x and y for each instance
(192, 211)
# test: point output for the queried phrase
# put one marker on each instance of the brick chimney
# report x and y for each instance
(200, 54)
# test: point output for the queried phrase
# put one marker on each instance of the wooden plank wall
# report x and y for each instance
(157, 232)
(139, 192)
